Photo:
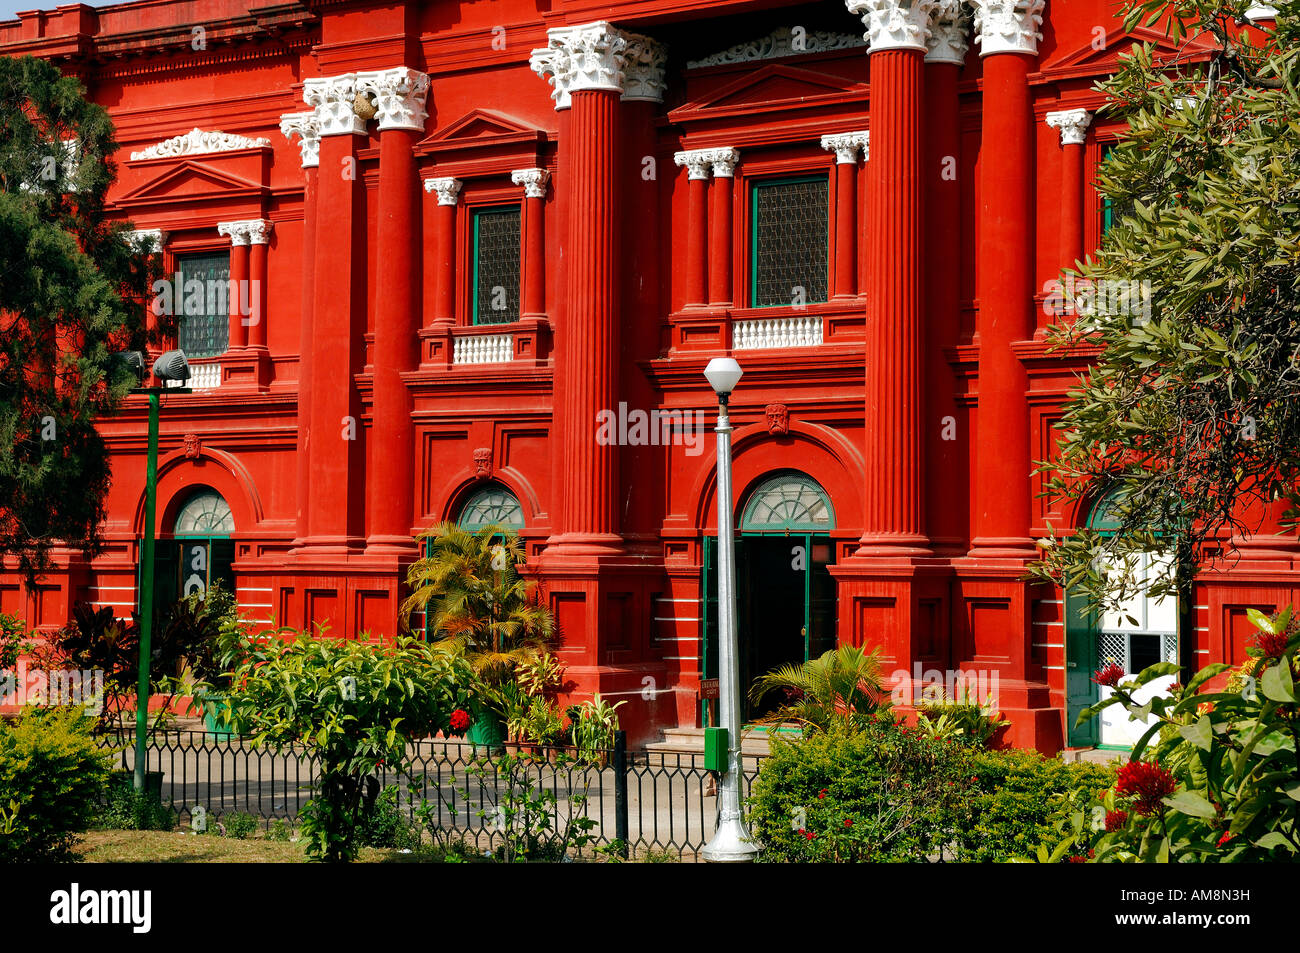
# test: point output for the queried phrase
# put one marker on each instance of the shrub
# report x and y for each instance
(384, 825)
(240, 825)
(52, 774)
(881, 793)
(355, 706)
(840, 687)
(1013, 798)
(1221, 783)
(126, 809)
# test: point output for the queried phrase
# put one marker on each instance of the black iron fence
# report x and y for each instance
(663, 803)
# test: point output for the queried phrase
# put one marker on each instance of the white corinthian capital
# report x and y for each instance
(1073, 124)
(448, 189)
(600, 56)
(894, 24)
(399, 96)
(305, 126)
(949, 32)
(1008, 26)
(847, 145)
(533, 180)
(332, 97)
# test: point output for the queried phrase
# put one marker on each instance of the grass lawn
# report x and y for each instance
(185, 847)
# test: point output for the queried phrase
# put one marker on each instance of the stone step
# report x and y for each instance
(691, 741)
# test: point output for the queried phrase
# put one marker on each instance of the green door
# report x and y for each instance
(1080, 659)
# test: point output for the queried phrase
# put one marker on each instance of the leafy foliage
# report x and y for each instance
(126, 809)
(52, 776)
(1220, 784)
(72, 292)
(1190, 411)
(841, 687)
(355, 706)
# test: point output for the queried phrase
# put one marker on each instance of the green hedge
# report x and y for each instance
(54, 776)
(906, 798)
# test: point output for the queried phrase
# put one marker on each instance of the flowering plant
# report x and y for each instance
(1216, 778)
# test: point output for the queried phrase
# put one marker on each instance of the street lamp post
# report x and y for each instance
(731, 842)
(172, 366)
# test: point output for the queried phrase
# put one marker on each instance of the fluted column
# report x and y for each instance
(1073, 125)
(1007, 33)
(592, 67)
(894, 512)
(335, 521)
(399, 95)
(307, 129)
(533, 252)
(448, 192)
(846, 146)
(237, 336)
(697, 166)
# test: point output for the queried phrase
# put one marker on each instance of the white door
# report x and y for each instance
(1140, 633)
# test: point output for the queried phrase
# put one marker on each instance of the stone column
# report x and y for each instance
(305, 126)
(1073, 125)
(846, 147)
(448, 192)
(533, 250)
(697, 166)
(237, 336)
(399, 96)
(259, 234)
(720, 237)
(336, 520)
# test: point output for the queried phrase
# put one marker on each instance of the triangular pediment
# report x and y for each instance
(190, 179)
(480, 124)
(775, 84)
(1103, 54)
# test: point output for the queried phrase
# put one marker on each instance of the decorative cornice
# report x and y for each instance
(949, 33)
(533, 180)
(448, 189)
(399, 94)
(1008, 26)
(307, 128)
(146, 239)
(1073, 124)
(599, 56)
(197, 142)
(847, 144)
(332, 97)
(699, 162)
(895, 24)
(255, 231)
(780, 43)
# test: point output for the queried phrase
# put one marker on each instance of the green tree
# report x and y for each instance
(841, 687)
(72, 292)
(1190, 411)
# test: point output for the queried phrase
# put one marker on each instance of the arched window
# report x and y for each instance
(788, 502)
(205, 513)
(492, 505)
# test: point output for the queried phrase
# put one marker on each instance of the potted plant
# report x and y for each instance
(592, 728)
(469, 588)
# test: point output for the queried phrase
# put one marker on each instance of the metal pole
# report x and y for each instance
(146, 595)
(731, 842)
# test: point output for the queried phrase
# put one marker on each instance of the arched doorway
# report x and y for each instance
(491, 505)
(197, 550)
(1141, 632)
(785, 594)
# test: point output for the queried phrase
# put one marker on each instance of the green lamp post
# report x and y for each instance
(172, 366)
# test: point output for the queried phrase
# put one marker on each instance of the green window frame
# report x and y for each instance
(497, 236)
(787, 503)
(204, 331)
(773, 276)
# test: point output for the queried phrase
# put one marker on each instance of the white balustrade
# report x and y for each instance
(484, 349)
(759, 333)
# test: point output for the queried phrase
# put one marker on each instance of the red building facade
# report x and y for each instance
(479, 253)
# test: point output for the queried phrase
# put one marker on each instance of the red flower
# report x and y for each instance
(821, 793)
(1272, 644)
(848, 822)
(459, 721)
(1145, 782)
(1116, 820)
(810, 835)
(1227, 836)
(1109, 676)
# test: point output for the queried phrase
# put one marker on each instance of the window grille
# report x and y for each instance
(491, 506)
(496, 265)
(787, 502)
(790, 241)
(201, 298)
(206, 513)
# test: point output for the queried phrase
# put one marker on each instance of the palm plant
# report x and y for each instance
(840, 687)
(469, 588)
